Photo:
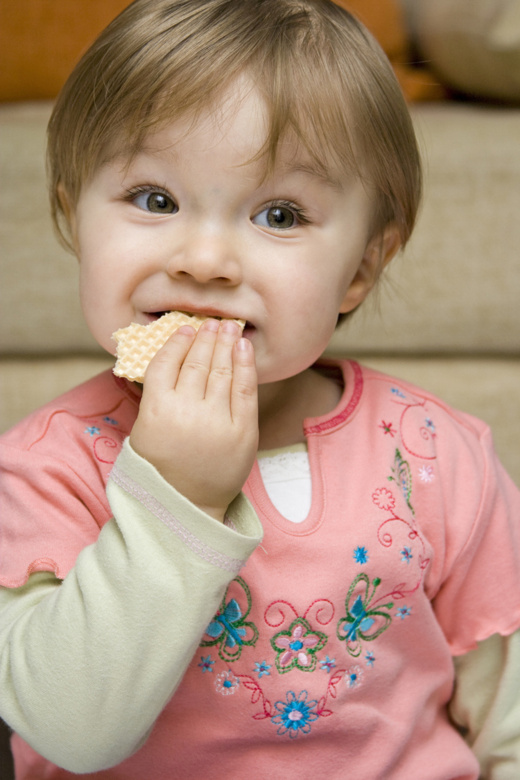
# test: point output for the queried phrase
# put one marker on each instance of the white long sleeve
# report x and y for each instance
(486, 704)
(88, 664)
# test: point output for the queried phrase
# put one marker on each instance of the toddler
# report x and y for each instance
(261, 563)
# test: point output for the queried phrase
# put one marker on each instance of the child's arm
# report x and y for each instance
(134, 607)
(486, 704)
(87, 665)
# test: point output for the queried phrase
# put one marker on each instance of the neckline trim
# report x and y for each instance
(314, 429)
(318, 425)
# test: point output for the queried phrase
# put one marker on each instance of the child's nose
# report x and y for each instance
(207, 257)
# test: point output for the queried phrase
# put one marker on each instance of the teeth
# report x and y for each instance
(159, 314)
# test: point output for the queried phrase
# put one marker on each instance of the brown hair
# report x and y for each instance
(322, 74)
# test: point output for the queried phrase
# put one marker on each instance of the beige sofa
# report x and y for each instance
(447, 315)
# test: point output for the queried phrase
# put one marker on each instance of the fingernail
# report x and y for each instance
(187, 330)
(243, 344)
(212, 325)
(228, 326)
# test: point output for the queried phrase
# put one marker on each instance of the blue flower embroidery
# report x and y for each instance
(361, 555)
(206, 664)
(92, 430)
(398, 393)
(370, 658)
(262, 669)
(295, 714)
(406, 555)
(404, 612)
(110, 421)
(328, 665)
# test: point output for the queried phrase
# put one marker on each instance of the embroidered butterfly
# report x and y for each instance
(362, 623)
(229, 629)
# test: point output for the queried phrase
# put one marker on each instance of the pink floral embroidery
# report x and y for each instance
(426, 474)
(298, 646)
(353, 676)
(226, 683)
(383, 498)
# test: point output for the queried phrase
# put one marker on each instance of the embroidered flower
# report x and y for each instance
(430, 424)
(92, 430)
(360, 555)
(226, 683)
(110, 421)
(370, 658)
(262, 669)
(297, 647)
(206, 664)
(328, 665)
(295, 714)
(397, 392)
(383, 499)
(388, 428)
(353, 677)
(404, 612)
(406, 554)
(426, 474)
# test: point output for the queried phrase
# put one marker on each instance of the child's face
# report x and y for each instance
(191, 224)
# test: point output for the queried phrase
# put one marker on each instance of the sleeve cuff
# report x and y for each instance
(225, 546)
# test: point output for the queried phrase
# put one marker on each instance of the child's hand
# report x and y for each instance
(198, 420)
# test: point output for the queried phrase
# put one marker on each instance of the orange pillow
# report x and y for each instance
(385, 20)
(41, 41)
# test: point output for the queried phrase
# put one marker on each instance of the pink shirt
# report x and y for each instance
(55, 465)
(332, 650)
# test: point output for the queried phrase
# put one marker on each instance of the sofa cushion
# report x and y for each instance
(472, 45)
(386, 21)
(38, 278)
(42, 41)
(457, 285)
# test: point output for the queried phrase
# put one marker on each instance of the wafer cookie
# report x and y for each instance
(137, 344)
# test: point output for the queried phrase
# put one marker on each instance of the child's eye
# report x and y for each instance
(280, 217)
(153, 200)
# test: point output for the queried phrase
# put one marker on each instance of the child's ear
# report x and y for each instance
(68, 213)
(378, 253)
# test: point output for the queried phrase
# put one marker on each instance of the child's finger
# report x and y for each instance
(244, 390)
(221, 374)
(164, 368)
(194, 372)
